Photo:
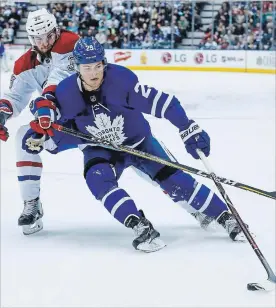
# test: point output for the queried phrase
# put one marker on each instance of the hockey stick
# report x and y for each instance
(107, 144)
(258, 191)
(271, 280)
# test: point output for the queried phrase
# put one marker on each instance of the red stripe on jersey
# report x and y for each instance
(28, 164)
(66, 42)
(48, 89)
(5, 101)
(6, 110)
(46, 103)
(26, 62)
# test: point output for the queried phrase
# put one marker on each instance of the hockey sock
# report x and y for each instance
(193, 196)
(102, 182)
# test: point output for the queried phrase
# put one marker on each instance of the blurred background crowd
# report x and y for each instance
(159, 24)
(10, 16)
(130, 24)
(243, 25)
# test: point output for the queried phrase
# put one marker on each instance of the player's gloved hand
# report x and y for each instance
(44, 109)
(33, 142)
(34, 139)
(36, 128)
(5, 113)
(195, 138)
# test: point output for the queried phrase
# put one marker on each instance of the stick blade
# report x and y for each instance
(273, 194)
(266, 286)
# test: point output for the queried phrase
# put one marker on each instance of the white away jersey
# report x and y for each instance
(31, 73)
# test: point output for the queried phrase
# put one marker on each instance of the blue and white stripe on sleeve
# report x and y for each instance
(158, 104)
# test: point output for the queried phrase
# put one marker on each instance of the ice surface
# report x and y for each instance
(84, 258)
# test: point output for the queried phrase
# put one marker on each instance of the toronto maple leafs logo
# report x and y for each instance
(107, 130)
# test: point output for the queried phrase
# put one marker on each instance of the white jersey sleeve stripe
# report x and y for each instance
(166, 105)
(155, 101)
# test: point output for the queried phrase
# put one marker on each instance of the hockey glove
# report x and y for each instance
(36, 128)
(34, 139)
(44, 109)
(5, 113)
(195, 138)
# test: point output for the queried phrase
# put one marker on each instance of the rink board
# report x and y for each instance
(183, 60)
(196, 60)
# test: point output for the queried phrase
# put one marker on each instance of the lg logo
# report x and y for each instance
(166, 57)
(208, 58)
(176, 57)
(199, 58)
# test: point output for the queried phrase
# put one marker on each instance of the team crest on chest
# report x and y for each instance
(106, 129)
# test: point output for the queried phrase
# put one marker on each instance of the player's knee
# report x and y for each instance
(21, 154)
(164, 173)
(100, 179)
(179, 185)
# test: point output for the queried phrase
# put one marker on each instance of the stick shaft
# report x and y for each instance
(185, 168)
(270, 273)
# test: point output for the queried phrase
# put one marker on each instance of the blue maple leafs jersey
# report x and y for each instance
(115, 111)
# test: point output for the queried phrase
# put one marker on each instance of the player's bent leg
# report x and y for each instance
(198, 198)
(102, 182)
(149, 169)
(29, 169)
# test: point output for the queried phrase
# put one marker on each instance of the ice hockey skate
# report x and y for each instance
(204, 220)
(229, 223)
(30, 219)
(147, 239)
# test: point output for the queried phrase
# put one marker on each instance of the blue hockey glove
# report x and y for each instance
(195, 138)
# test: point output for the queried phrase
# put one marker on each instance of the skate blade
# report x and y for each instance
(155, 245)
(31, 229)
(265, 286)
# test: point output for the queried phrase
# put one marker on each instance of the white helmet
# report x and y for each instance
(40, 22)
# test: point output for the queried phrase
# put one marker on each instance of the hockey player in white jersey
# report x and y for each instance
(40, 69)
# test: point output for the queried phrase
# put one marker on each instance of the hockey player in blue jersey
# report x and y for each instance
(3, 57)
(107, 101)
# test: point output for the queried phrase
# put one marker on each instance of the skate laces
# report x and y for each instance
(140, 228)
(30, 207)
(230, 225)
(199, 216)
